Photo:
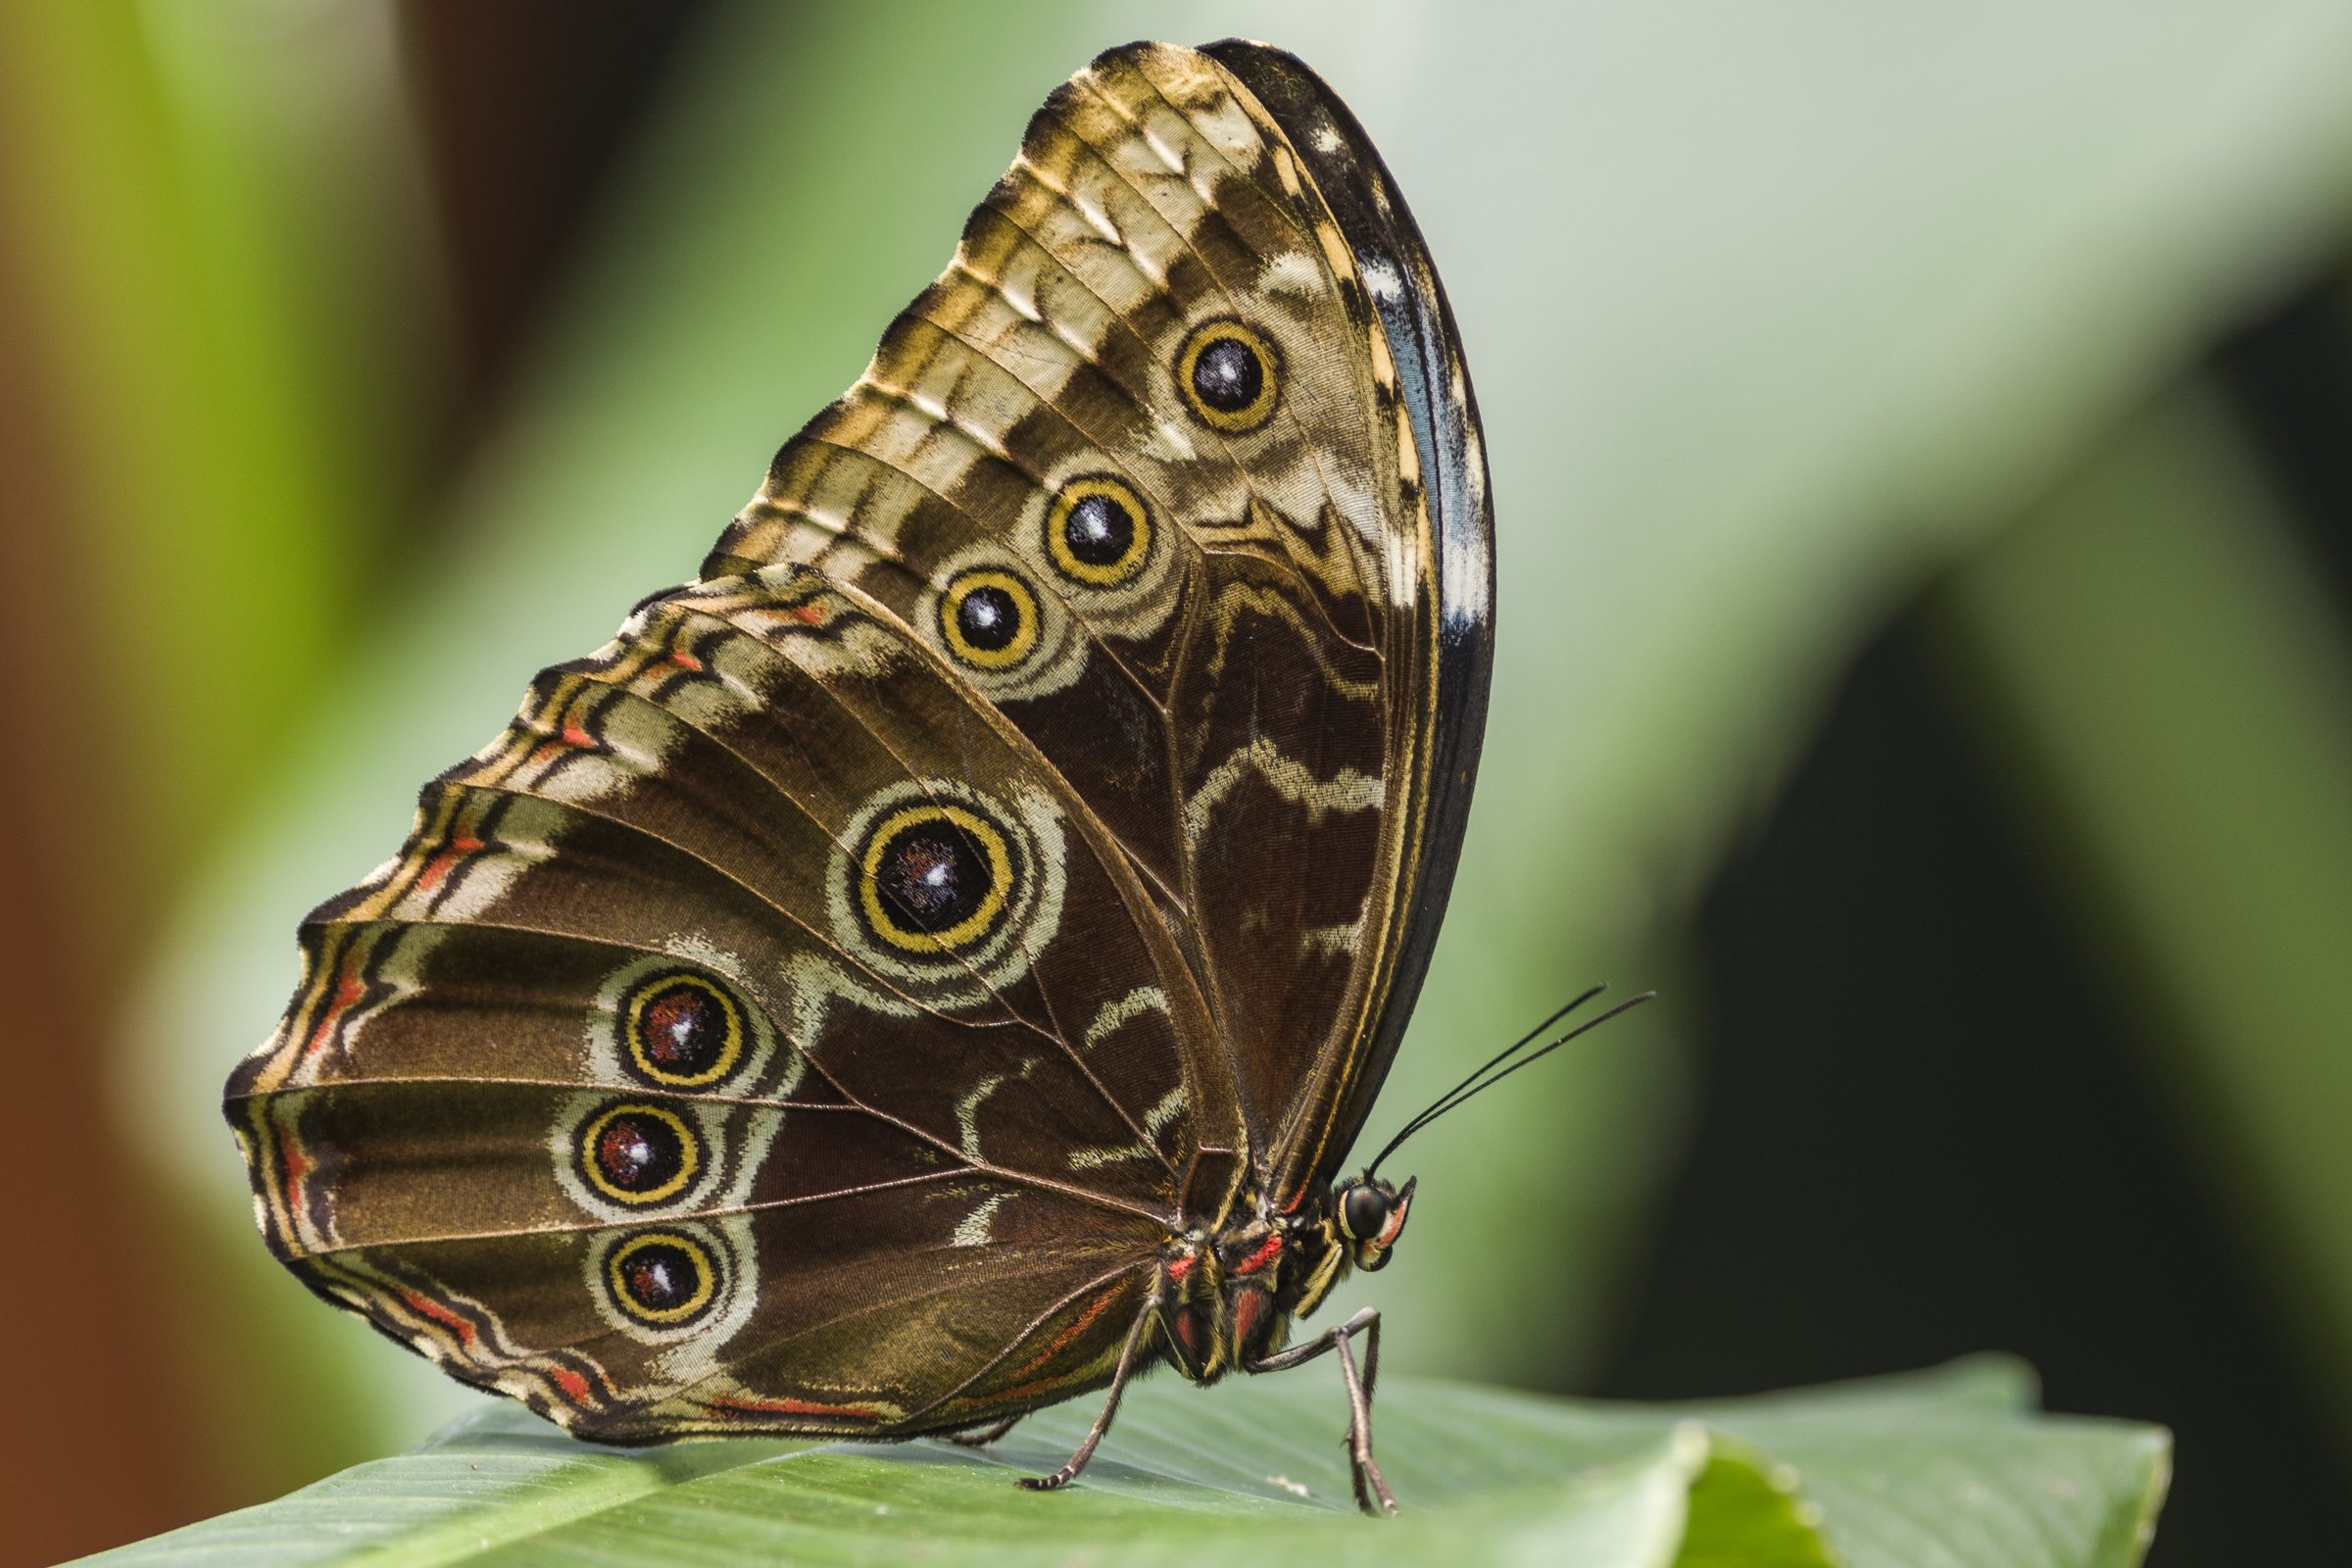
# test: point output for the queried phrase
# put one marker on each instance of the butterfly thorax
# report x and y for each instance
(1230, 1292)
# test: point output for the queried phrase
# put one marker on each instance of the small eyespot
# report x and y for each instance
(1097, 531)
(987, 617)
(663, 1276)
(639, 1155)
(1230, 376)
(682, 1030)
(934, 876)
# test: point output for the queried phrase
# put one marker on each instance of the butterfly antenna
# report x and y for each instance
(1495, 1070)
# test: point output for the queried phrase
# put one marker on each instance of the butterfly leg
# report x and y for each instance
(1110, 1405)
(982, 1437)
(1372, 1492)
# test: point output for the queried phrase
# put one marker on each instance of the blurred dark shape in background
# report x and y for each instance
(525, 107)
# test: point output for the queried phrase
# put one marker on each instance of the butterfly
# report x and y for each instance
(936, 962)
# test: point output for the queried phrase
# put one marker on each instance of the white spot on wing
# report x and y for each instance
(973, 1232)
(967, 1114)
(1346, 791)
(1116, 1014)
(1292, 273)
(1156, 1121)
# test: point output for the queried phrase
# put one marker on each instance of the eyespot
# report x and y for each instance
(987, 617)
(1097, 531)
(637, 1154)
(934, 875)
(1230, 376)
(665, 1278)
(682, 1030)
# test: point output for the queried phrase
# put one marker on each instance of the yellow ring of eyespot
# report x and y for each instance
(690, 1161)
(981, 831)
(728, 1055)
(705, 1277)
(966, 583)
(1057, 519)
(1261, 408)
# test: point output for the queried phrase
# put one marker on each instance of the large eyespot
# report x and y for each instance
(637, 1154)
(1230, 376)
(989, 617)
(682, 1030)
(665, 1278)
(1097, 531)
(934, 875)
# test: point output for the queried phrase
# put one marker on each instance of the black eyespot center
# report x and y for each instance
(990, 617)
(987, 616)
(935, 876)
(1099, 530)
(638, 1154)
(662, 1278)
(1227, 374)
(684, 1029)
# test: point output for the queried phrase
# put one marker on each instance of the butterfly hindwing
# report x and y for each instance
(635, 975)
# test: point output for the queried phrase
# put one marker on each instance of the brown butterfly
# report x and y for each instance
(937, 961)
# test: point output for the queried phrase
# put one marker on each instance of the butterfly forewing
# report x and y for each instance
(1231, 694)
(822, 1006)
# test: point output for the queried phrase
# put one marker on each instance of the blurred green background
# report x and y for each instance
(1923, 448)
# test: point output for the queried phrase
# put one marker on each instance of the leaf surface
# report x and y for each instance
(1948, 1469)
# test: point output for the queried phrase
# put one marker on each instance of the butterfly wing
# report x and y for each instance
(818, 1008)
(754, 1037)
(1440, 576)
(1272, 697)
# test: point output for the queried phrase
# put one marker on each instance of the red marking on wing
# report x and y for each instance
(574, 735)
(1100, 1304)
(426, 1306)
(349, 988)
(686, 661)
(812, 615)
(1297, 1197)
(1181, 1267)
(296, 1164)
(1267, 1251)
(574, 1386)
(445, 861)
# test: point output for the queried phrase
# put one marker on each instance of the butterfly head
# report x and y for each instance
(1371, 1215)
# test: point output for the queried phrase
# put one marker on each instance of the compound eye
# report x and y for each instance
(1363, 1211)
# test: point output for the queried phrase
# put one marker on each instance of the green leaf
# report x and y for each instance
(1948, 1469)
